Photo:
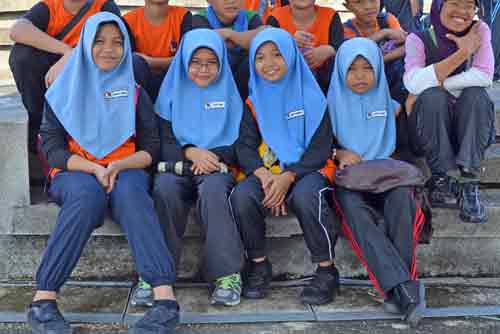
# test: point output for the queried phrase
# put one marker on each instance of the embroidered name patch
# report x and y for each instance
(296, 113)
(215, 105)
(116, 94)
(379, 113)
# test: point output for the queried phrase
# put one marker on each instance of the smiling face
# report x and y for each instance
(107, 50)
(366, 11)
(203, 67)
(226, 10)
(360, 76)
(269, 63)
(457, 15)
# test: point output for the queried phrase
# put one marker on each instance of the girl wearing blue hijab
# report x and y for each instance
(285, 141)
(201, 111)
(99, 134)
(363, 122)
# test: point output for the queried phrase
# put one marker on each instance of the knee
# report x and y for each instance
(401, 194)
(166, 187)
(434, 95)
(475, 95)
(131, 184)
(22, 57)
(241, 199)
(90, 198)
(215, 187)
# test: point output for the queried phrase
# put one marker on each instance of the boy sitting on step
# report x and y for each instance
(237, 27)
(384, 29)
(317, 31)
(44, 37)
(157, 29)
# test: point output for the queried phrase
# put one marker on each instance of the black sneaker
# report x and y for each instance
(160, 319)
(407, 296)
(442, 192)
(471, 208)
(44, 318)
(257, 279)
(323, 288)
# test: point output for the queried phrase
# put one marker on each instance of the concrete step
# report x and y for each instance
(457, 248)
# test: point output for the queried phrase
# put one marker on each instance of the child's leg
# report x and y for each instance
(382, 259)
(29, 67)
(133, 209)
(174, 196)
(83, 202)
(222, 250)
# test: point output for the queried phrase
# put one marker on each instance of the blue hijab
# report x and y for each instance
(96, 108)
(205, 117)
(362, 123)
(289, 111)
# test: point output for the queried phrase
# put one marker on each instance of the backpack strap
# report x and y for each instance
(382, 20)
(349, 24)
(74, 21)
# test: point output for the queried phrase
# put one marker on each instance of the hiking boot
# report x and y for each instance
(471, 208)
(44, 318)
(407, 296)
(323, 288)
(257, 279)
(442, 192)
(162, 318)
(227, 290)
(143, 295)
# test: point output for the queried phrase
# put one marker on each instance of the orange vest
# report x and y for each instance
(157, 41)
(328, 170)
(254, 5)
(60, 17)
(320, 28)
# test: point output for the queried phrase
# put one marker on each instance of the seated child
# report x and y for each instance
(452, 121)
(237, 27)
(285, 140)
(157, 29)
(317, 31)
(384, 29)
(201, 111)
(363, 117)
(47, 32)
(98, 142)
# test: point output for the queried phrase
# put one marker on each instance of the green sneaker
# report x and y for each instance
(143, 295)
(227, 290)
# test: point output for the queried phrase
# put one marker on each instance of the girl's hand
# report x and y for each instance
(397, 35)
(304, 39)
(275, 196)
(204, 161)
(280, 210)
(410, 101)
(347, 158)
(56, 69)
(101, 174)
(114, 168)
(469, 43)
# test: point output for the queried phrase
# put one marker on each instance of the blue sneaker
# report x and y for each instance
(45, 318)
(143, 295)
(471, 208)
(160, 319)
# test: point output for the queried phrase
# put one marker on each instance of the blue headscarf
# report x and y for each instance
(289, 111)
(362, 123)
(205, 117)
(96, 108)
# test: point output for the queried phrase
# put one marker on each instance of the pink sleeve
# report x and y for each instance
(415, 53)
(483, 59)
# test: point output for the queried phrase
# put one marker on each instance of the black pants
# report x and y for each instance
(175, 195)
(29, 67)
(146, 78)
(307, 200)
(383, 230)
(83, 203)
(451, 135)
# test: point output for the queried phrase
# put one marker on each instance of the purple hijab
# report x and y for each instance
(446, 47)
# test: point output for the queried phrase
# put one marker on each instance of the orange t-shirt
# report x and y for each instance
(157, 41)
(320, 28)
(254, 5)
(60, 17)
(125, 150)
(392, 23)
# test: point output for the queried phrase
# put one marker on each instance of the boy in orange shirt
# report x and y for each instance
(44, 37)
(318, 32)
(157, 29)
(384, 29)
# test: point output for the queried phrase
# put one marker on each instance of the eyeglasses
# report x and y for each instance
(211, 65)
(468, 7)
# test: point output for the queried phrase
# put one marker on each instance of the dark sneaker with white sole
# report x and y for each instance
(162, 318)
(323, 288)
(227, 291)
(471, 208)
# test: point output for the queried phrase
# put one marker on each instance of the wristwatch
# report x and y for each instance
(334, 154)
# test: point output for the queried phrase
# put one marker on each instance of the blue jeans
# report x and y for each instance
(83, 203)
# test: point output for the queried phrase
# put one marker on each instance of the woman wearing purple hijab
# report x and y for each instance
(451, 117)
